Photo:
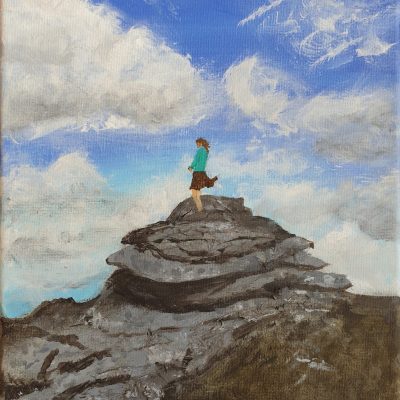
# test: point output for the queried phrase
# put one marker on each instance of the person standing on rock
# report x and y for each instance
(200, 179)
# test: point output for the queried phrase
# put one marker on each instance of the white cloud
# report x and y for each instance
(335, 51)
(372, 206)
(261, 92)
(260, 12)
(300, 207)
(61, 222)
(279, 161)
(371, 265)
(348, 127)
(254, 144)
(69, 64)
(329, 33)
(354, 227)
(340, 31)
(373, 46)
(351, 126)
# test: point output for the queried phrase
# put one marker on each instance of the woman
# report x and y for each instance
(200, 178)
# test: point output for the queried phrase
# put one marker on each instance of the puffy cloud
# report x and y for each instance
(351, 126)
(371, 265)
(301, 207)
(354, 227)
(372, 206)
(61, 222)
(261, 92)
(348, 127)
(71, 64)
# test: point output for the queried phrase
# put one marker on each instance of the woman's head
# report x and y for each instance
(204, 143)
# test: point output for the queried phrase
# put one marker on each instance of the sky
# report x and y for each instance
(102, 103)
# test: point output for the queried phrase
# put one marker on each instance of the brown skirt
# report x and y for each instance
(200, 180)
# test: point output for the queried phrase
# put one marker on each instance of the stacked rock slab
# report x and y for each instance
(210, 259)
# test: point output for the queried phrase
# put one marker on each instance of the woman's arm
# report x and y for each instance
(195, 160)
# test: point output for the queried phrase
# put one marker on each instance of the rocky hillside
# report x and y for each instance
(213, 305)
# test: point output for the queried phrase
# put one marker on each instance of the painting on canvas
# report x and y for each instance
(199, 200)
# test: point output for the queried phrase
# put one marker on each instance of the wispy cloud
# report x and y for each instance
(327, 32)
(334, 52)
(373, 46)
(260, 12)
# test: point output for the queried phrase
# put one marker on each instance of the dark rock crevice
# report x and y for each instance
(42, 375)
(75, 366)
(71, 392)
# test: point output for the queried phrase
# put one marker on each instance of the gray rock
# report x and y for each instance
(145, 264)
(211, 293)
(225, 239)
(225, 229)
(326, 280)
(303, 260)
(185, 290)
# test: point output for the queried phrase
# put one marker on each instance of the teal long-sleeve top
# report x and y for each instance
(200, 159)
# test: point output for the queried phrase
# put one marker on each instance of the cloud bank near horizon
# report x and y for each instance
(61, 222)
(354, 227)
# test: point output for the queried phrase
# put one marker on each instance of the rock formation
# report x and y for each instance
(186, 291)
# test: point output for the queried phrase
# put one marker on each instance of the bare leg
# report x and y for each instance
(197, 200)
(194, 195)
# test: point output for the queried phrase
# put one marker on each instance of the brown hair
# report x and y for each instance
(204, 143)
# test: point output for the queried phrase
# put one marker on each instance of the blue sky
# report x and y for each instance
(298, 100)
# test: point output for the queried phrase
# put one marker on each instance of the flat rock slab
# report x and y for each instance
(145, 264)
(289, 252)
(303, 260)
(225, 229)
(209, 294)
